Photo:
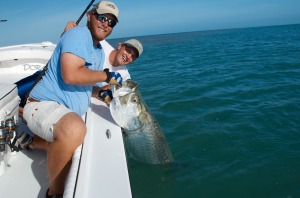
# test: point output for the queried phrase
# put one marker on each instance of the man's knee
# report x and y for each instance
(71, 127)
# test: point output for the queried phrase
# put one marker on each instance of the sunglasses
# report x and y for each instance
(102, 18)
(131, 50)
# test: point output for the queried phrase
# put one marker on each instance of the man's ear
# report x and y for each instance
(89, 15)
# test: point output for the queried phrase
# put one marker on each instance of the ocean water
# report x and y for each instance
(228, 102)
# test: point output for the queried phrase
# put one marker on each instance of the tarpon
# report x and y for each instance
(143, 136)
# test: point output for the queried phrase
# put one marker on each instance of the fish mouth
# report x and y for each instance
(131, 84)
(125, 108)
(119, 106)
(122, 92)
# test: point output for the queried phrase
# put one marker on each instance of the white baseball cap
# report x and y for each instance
(135, 44)
(107, 7)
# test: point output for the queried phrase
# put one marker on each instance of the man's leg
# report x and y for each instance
(69, 133)
(38, 143)
(64, 131)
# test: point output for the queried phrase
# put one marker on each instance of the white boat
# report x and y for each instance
(99, 166)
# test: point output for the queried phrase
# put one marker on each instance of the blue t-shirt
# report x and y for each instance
(51, 87)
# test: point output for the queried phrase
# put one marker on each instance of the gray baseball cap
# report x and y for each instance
(135, 44)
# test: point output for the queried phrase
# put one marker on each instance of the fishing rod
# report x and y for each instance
(86, 9)
(46, 66)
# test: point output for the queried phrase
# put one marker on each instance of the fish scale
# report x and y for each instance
(143, 136)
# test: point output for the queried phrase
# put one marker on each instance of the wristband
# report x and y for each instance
(108, 78)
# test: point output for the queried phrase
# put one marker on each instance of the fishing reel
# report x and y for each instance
(11, 126)
(3, 137)
(8, 134)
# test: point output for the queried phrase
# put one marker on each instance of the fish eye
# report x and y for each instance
(135, 100)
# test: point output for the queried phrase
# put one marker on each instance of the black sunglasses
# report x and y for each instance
(103, 18)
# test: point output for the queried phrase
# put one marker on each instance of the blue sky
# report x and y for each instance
(33, 21)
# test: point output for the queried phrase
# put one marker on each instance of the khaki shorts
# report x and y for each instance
(41, 116)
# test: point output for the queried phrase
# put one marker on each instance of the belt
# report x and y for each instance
(32, 100)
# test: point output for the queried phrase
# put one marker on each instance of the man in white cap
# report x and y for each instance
(116, 60)
(57, 102)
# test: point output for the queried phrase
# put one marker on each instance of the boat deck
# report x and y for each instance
(99, 168)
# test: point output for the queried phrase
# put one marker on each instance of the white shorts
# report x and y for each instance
(41, 116)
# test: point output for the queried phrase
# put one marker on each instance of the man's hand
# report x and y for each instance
(105, 95)
(113, 78)
(69, 26)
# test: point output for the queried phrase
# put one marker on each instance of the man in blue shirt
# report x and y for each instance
(57, 102)
(115, 60)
